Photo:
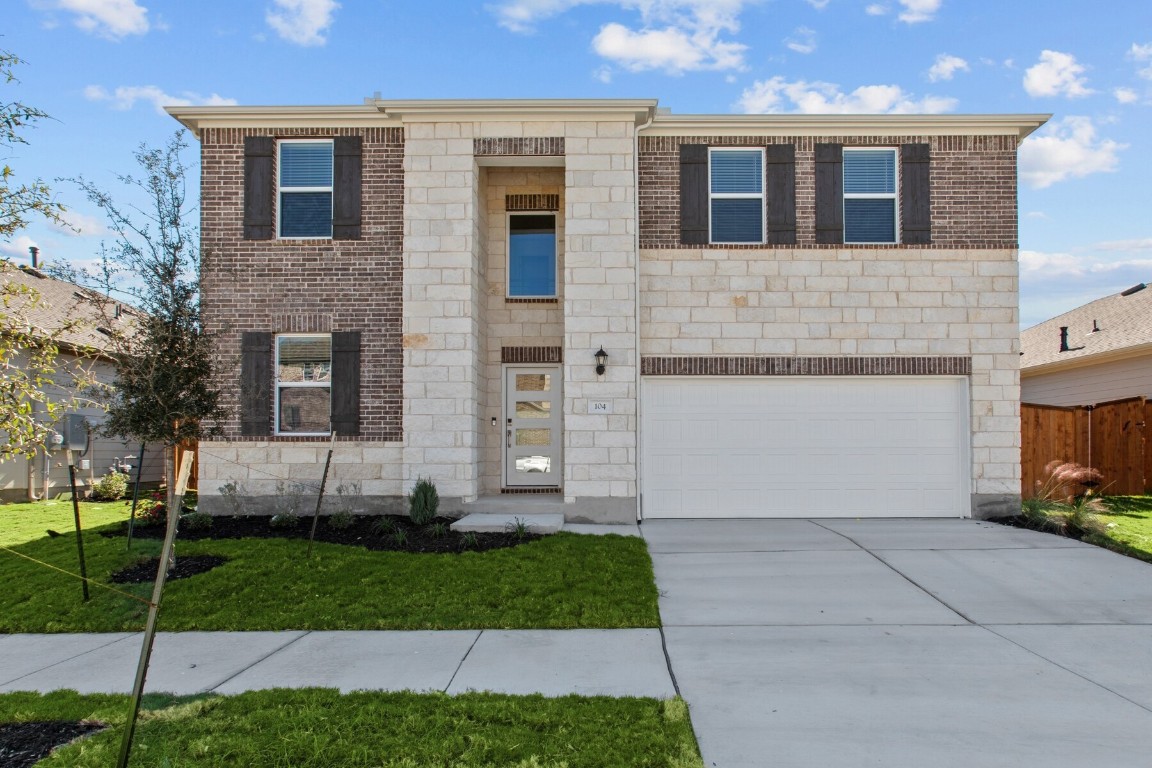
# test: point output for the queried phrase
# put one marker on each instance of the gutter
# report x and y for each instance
(1083, 361)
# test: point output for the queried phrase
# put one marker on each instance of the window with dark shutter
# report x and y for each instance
(694, 194)
(259, 187)
(780, 169)
(346, 383)
(347, 174)
(915, 195)
(256, 384)
(870, 190)
(829, 193)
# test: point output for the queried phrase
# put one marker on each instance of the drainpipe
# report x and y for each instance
(636, 302)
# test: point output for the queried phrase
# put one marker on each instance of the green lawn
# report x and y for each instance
(319, 728)
(20, 523)
(558, 582)
(1130, 526)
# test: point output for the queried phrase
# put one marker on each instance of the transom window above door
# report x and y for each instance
(532, 255)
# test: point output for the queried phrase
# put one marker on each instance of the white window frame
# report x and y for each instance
(738, 196)
(330, 189)
(894, 196)
(508, 254)
(278, 385)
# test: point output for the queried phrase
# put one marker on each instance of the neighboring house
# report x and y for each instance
(86, 343)
(1096, 353)
(802, 315)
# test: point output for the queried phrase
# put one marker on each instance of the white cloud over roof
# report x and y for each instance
(1056, 74)
(818, 98)
(302, 22)
(1068, 148)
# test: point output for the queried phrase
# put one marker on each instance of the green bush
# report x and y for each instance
(284, 521)
(196, 521)
(383, 526)
(111, 487)
(341, 521)
(423, 502)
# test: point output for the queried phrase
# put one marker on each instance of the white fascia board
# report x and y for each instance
(196, 119)
(846, 125)
(1087, 361)
(513, 110)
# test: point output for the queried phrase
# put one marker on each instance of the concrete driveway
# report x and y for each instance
(905, 643)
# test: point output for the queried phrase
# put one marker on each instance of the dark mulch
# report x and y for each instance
(362, 533)
(186, 565)
(25, 744)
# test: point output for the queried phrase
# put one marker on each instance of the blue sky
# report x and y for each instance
(102, 68)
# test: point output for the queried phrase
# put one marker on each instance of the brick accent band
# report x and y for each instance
(805, 366)
(531, 490)
(531, 355)
(532, 202)
(514, 300)
(541, 146)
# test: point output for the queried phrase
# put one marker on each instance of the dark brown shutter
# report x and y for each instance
(259, 187)
(346, 383)
(346, 181)
(915, 195)
(694, 194)
(780, 186)
(256, 384)
(829, 193)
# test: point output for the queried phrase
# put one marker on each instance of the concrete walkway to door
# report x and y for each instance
(905, 643)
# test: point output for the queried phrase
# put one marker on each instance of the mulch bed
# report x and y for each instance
(186, 565)
(362, 533)
(25, 744)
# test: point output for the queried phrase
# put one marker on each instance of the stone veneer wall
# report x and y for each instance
(316, 285)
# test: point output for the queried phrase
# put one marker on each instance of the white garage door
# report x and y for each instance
(804, 447)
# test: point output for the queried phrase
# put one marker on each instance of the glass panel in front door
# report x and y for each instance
(532, 430)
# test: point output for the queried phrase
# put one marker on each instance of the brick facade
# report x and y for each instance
(308, 286)
(973, 182)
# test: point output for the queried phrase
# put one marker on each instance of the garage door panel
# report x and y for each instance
(803, 447)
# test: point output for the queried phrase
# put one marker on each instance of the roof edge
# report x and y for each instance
(1019, 125)
(1111, 355)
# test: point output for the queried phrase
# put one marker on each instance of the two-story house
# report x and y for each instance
(631, 312)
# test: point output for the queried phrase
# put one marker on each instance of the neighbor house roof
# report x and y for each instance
(62, 303)
(1115, 326)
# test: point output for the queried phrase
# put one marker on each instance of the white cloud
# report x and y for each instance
(803, 40)
(916, 11)
(876, 9)
(1069, 148)
(946, 66)
(1139, 244)
(1036, 215)
(603, 74)
(1053, 283)
(1142, 53)
(17, 249)
(1057, 74)
(76, 224)
(674, 35)
(818, 4)
(778, 95)
(1125, 95)
(303, 22)
(111, 19)
(126, 96)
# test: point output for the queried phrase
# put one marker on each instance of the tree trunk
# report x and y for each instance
(170, 501)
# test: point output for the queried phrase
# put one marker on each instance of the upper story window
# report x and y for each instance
(736, 195)
(531, 255)
(303, 384)
(871, 212)
(305, 188)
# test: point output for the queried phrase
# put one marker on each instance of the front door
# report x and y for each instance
(533, 406)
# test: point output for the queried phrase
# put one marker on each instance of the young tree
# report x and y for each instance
(166, 390)
(19, 201)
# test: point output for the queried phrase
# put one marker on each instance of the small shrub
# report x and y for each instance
(111, 487)
(399, 537)
(291, 497)
(341, 521)
(233, 495)
(152, 511)
(423, 502)
(284, 521)
(1064, 502)
(346, 495)
(196, 521)
(383, 526)
(518, 528)
(437, 530)
(469, 540)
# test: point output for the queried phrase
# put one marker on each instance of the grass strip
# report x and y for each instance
(320, 728)
(1129, 520)
(558, 582)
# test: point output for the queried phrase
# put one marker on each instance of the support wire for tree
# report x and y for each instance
(154, 610)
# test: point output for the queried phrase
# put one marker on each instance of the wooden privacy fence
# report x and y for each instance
(1110, 437)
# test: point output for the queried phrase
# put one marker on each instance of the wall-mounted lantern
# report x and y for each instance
(601, 360)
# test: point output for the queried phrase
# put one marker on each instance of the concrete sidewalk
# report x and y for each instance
(624, 662)
(905, 643)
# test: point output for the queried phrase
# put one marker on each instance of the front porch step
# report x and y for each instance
(500, 522)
